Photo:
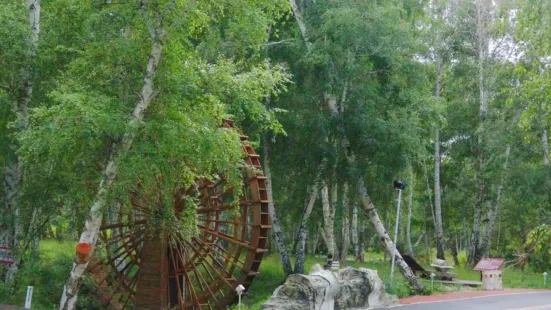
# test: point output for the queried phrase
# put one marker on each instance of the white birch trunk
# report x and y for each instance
(93, 222)
(301, 24)
(276, 227)
(315, 242)
(303, 230)
(430, 195)
(361, 240)
(355, 231)
(13, 172)
(345, 223)
(328, 222)
(437, 201)
(493, 210)
(334, 201)
(545, 147)
(410, 213)
(475, 252)
(322, 233)
(419, 239)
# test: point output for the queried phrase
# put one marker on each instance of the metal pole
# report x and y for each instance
(239, 301)
(395, 237)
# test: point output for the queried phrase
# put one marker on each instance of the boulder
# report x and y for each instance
(348, 288)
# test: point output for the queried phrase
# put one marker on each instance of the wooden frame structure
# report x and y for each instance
(139, 266)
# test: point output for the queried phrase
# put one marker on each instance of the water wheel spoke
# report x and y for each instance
(202, 282)
(174, 260)
(204, 262)
(204, 259)
(121, 225)
(225, 237)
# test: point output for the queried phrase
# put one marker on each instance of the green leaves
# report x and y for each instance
(211, 70)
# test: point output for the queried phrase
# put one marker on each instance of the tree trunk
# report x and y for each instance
(430, 195)
(410, 207)
(14, 173)
(437, 211)
(361, 250)
(301, 24)
(328, 222)
(545, 147)
(315, 242)
(493, 211)
(419, 239)
(334, 201)
(383, 235)
(276, 227)
(345, 224)
(303, 230)
(437, 201)
(475, 252)
(34, 234)
(474, 246)
(454, 252)
(93, 222)
(355, 231)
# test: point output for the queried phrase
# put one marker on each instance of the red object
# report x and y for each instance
(486, 264)
(83, 252)
(84, 248)
(5, 248)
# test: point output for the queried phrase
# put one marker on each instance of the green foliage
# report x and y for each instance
(538, 244)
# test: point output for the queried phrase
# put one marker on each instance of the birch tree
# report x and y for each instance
(303, 230)
(355, 241)
(328, 222)
(158, 33)
(13, 175)
(276, 226)
(345, 223)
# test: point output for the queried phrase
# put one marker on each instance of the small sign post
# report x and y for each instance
(490, 273)
(29, 297)
(545, 278)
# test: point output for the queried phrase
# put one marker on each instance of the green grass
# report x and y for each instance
(48, 276)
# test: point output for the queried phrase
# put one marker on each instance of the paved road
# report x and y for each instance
(522, 301)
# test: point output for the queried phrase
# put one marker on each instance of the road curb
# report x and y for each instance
(466, 295)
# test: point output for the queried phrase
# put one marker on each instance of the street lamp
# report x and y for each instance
(400, 186)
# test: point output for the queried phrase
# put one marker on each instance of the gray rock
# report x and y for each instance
(348, 288)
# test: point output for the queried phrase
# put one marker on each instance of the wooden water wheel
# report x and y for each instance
(138, 269)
